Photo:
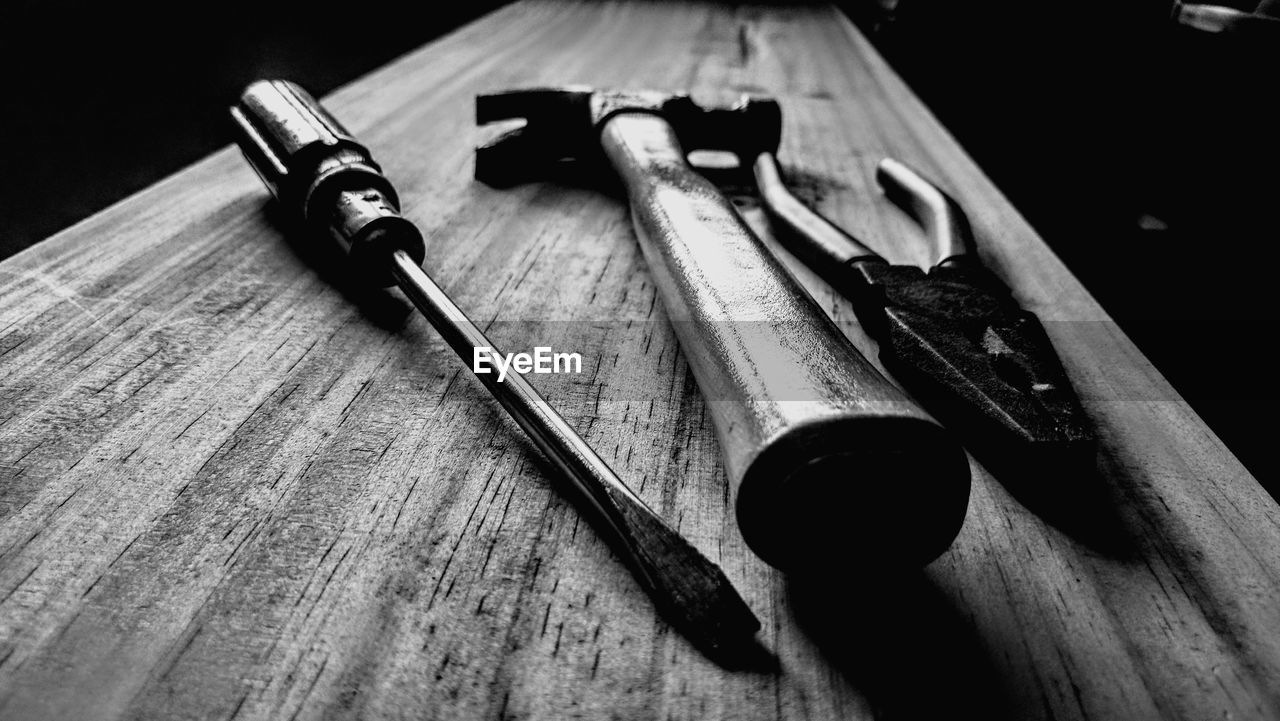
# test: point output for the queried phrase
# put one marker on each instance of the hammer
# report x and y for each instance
(829, 462)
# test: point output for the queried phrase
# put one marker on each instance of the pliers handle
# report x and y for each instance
(953, 335)
(823, 245)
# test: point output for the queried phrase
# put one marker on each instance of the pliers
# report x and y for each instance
(954, 336)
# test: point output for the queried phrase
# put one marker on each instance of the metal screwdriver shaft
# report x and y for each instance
(314, 166)
(691, 589)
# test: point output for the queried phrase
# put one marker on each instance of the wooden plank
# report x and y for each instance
(228, 490)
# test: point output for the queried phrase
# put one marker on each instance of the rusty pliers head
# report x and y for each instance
(956, 335)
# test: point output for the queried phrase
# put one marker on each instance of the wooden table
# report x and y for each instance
(228, 490)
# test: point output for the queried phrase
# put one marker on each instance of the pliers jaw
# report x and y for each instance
(953, 335)
(956, 337)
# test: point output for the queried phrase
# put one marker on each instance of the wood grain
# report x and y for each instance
(230, 488)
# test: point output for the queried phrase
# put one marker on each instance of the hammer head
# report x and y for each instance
(563, 124)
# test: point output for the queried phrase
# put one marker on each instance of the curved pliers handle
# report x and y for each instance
(953, 335)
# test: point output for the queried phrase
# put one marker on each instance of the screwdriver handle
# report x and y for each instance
(323, 176)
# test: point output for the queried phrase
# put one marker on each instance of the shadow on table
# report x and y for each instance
(902, 644)
(1074, 497)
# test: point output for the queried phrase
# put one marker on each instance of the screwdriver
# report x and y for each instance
(330, 182)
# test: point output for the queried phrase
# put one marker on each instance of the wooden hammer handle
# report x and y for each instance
(828, 460)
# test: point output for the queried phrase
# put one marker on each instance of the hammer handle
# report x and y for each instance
(827, 459)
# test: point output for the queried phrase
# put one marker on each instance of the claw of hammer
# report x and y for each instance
(563, 124)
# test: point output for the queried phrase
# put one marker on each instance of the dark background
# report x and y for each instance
(1144, 152)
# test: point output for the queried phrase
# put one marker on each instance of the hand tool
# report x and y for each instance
(954, 336)
(832, 466)
(1262, 22)
(330, 182)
